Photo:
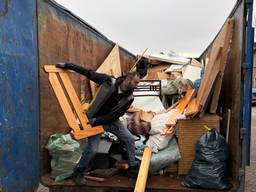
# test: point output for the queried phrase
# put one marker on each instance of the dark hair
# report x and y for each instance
(132, 74)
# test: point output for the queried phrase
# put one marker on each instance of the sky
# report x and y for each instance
(183, 26)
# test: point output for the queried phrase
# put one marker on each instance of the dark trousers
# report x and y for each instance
(123, 134)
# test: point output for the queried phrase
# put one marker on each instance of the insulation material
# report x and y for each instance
(192, 73)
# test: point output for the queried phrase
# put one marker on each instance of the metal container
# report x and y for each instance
(35, 33)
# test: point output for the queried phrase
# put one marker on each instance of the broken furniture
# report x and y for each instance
(70, 103)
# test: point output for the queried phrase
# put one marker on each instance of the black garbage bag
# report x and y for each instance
(209, 169)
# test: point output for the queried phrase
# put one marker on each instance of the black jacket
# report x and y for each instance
(112, 105)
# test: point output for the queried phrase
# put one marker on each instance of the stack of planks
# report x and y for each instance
(212, 80)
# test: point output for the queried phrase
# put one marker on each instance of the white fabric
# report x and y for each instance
(157, 141)
(158, 122)
(148, 103)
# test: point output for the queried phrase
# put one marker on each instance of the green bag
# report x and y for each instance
(65, 153)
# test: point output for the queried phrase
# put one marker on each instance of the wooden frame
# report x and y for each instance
(70, 103)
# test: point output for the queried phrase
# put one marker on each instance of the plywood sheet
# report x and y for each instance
(110, 66)
(226, 49)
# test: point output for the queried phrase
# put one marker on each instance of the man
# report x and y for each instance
(111, 102)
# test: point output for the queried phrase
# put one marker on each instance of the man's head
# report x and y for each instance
(130, 82)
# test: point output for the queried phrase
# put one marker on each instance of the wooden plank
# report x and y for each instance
(138, 59)
(121, 165)
(81, 134)
(92, 178)
(85, 106)
(196, 63)
(180, 107)
(211, 72)
(153, 58)
(143, 172)
(53, 69)
(110, 66)
(88, 130)
(65, 106)
(152, 71)
(225, 52)
(192, 108)
(75, 100)
(162, 76)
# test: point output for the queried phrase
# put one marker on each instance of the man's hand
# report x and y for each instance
(61, 65)
(92, 121)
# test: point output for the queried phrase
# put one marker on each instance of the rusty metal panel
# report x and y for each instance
(66, 38)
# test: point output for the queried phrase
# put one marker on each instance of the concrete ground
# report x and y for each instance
(250, 177)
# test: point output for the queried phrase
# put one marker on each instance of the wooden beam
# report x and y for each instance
(75, 100)
(53, 69)
(143, 172)
(92, 178)
(192, 108)
(160, 60)
(85, 106)
(121, 165)
(211, 72)
(196, 63)
(64, 104)
(180, 107)
(226, 48)
(88, 130)
(81, 134)
(139, 58)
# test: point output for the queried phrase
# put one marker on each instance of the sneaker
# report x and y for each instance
(133, 171)
(79, 179)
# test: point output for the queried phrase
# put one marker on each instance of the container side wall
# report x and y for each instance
(65, 38)
(19, 98)
(231, 94)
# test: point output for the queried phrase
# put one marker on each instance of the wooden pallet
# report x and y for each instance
(70, 103)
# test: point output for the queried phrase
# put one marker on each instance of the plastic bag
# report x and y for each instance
(65, 153)
(165, 157)
(209, 169)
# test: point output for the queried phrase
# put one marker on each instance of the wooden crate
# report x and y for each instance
(189, 132)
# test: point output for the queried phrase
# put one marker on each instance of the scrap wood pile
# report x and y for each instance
(206, 97)
(194, 101)
(161, 66)
(208, 93)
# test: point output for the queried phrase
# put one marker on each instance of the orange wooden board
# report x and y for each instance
(180, 107)
(143, 172)
(68, 101)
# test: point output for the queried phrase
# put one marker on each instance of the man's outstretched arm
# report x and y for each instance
(98, 78)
